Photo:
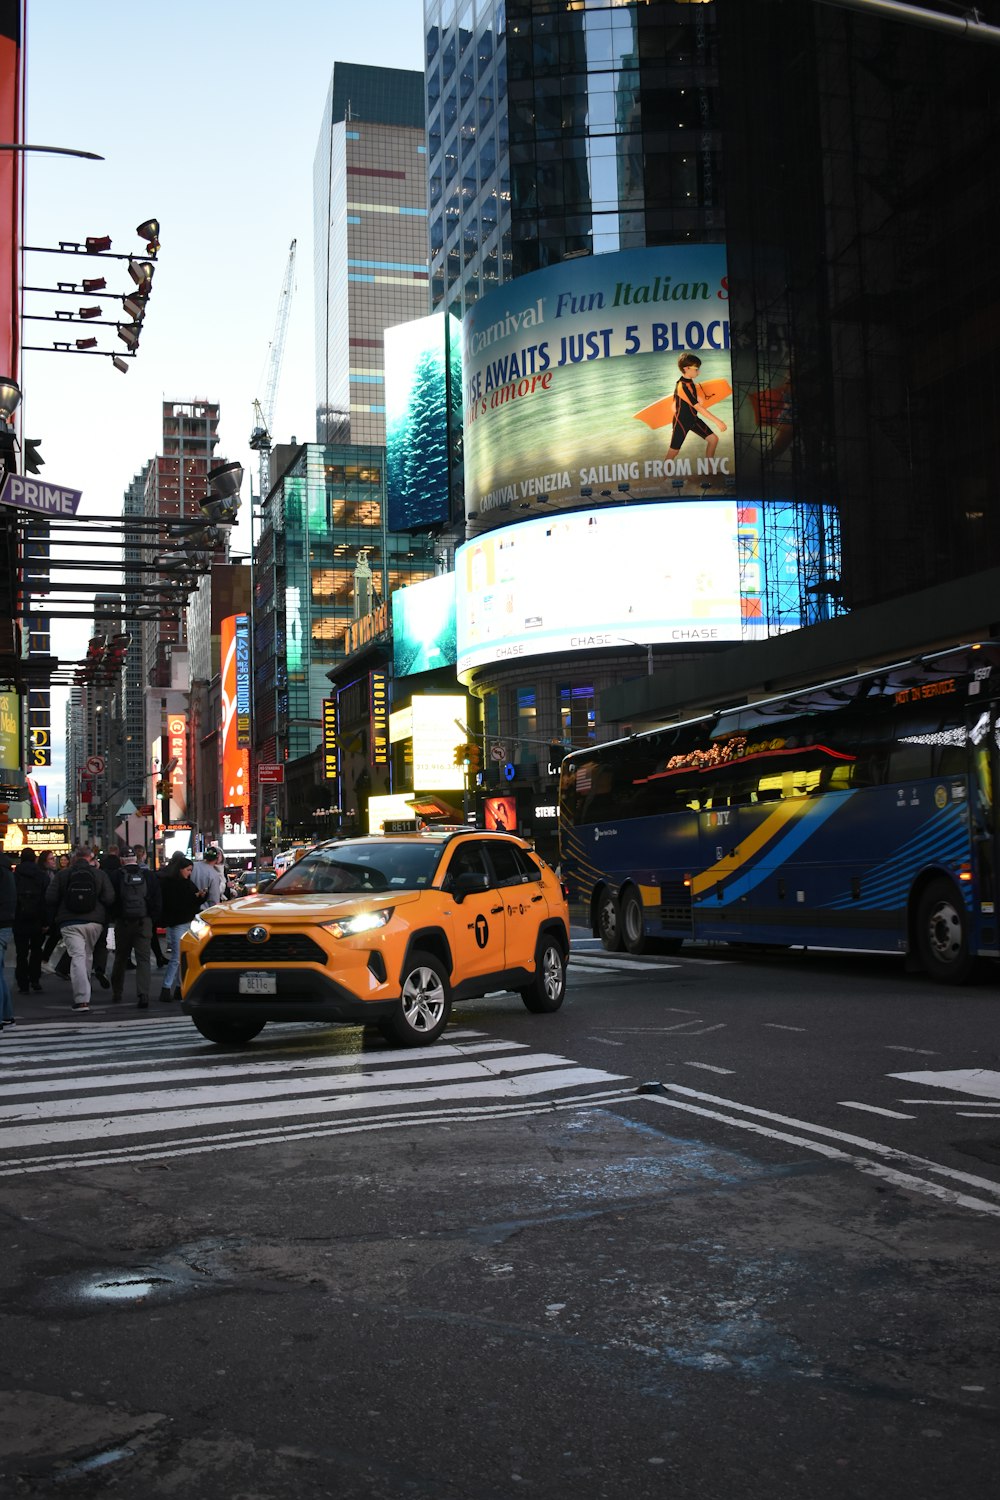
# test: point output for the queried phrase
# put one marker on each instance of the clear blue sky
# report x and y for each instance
(207, 115)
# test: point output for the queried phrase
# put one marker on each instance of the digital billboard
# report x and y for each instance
(423, 419)
(235, 756)
(423, 626)
(673, 573)
(609, 373)
(430, 722)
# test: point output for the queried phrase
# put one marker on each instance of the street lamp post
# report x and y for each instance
(649, 651)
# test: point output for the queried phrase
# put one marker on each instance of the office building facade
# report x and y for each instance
(370, 240)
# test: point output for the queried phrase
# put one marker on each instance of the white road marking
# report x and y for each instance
(709, 1067)
(777, 1026)
(923, 1051)
(890, 1153)
(905, 1180)
(873, 1109)
(613, 964)
(255, 1090)
(965, 1114)
(363, 1124)
(206, 1067)
(108, 1126)
(982, 1081)
(153, 1099)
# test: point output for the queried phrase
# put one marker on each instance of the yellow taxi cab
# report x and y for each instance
(387, 930)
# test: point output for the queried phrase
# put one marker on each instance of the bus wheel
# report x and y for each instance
(609, 927)
(942, 934)
(633, 924)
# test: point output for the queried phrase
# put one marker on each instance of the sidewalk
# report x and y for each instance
(55, 1003)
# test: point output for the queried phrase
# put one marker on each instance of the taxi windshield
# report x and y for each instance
(356, 868)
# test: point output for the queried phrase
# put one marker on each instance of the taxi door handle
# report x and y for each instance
(495, 911)
(538, 898)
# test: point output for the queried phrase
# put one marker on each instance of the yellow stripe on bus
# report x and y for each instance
(747, 847)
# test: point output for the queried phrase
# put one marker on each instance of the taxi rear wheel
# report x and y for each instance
(424, 1004)
(228, 1033)
(548, 988)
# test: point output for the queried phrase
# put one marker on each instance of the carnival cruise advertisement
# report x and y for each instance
(610, 372)
(677, 573)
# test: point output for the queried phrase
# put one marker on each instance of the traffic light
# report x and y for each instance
(33, 460)
(474, 756)
(460, 754)
(4, 821)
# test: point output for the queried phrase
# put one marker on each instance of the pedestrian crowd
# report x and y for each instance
(65, 914)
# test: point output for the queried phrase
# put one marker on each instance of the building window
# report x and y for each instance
(577, 715)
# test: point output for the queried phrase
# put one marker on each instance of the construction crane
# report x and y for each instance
(263, 410)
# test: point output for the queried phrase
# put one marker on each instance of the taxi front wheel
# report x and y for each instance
(228, 1033)
(548, 988)
(424, 1004)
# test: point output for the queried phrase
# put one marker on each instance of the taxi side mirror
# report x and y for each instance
(468, 883)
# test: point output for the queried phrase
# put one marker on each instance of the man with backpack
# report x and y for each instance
(30, 920)
(137, 907)
(79, 899)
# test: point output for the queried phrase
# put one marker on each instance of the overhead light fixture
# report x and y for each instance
(134, 304)
(149, 230)
(129, 334)
(88, 312)
(586, 491)
(10, 396)
(141, 272)
(95, 284)
(223, 500)
(86, 343)
(97, 244)
(120, 364)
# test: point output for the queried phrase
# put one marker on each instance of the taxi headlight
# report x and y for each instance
(362, 921)
(198, 928)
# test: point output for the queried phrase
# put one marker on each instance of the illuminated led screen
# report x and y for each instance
(651, 574)
(571, 383)
(423, 626)
(423, 419)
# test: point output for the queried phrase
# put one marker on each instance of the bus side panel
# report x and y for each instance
(833, 869)
(655, 852)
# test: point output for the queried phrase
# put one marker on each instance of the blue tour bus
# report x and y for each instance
(853, 814)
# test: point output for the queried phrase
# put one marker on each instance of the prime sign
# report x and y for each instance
(39, 495)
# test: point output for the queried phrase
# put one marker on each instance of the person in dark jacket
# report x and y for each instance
(8, 907)
(81, 908)
(30, 920)
(137, 910)
(181, 900)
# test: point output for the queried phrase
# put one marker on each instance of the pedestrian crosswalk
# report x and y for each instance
(76, 1094)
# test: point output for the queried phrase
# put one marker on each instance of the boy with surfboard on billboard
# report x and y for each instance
(688, 407)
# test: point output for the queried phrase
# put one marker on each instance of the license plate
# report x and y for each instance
(258, 982)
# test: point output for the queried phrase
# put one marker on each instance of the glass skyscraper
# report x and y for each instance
(370, 240)
(564, 129)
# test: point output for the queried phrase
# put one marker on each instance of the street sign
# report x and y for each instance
(498, 750)
(94, 765)
(127, 808)
(39, 495)
(270, 775)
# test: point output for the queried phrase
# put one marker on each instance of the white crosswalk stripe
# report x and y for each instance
(79, 1095)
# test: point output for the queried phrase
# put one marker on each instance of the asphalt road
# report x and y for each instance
(714, 1228)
